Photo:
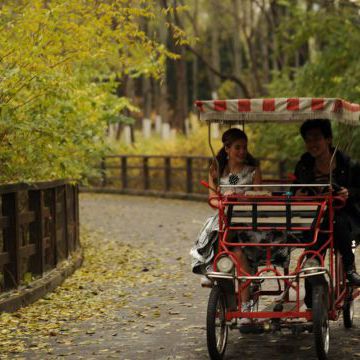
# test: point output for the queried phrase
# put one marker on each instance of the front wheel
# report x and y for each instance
(216, 328)
(321, 320)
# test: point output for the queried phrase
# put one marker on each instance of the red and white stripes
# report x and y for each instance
(279, 109)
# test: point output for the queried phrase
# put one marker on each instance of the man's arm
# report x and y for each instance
(354, 181)
(297, 174)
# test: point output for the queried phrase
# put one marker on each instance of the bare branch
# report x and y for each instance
(21, 87)
(29, 100)
(218, 73)
(8, 54)
(215, 71)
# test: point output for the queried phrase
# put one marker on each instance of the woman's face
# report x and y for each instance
(237, 151)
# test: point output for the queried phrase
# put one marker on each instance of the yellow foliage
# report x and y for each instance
(59, 62)
(196, 143)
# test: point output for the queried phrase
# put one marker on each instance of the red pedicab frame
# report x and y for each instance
(330, 290)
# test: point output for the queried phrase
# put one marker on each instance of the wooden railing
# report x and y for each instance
(167, 174)
(39, 227)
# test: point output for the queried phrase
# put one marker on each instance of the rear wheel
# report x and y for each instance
(348, 314)
(321, 320)
(216, 328)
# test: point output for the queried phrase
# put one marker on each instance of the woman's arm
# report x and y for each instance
(212, 186)
(257, 176)
(211, 191)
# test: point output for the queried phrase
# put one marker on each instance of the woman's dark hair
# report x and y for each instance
(323, 124)
(228, 138)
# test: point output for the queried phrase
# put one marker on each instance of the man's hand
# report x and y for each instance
(307, 191)
(301, 192)
(343, 192)
(229, 192)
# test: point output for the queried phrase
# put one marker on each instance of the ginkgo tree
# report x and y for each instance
(60, 65)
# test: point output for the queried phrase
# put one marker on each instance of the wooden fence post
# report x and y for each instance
(146, 173)
(124, 179)
(189, 175)
(36, 204)
(53, 230)
(103, 172)
(66, 221)
(10, 208)
(167, 173)
(76, 214)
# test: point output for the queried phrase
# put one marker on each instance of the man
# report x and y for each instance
(314, 167)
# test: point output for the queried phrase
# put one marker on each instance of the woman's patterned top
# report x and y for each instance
(244, 177)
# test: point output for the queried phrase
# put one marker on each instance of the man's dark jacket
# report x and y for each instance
(346, 174)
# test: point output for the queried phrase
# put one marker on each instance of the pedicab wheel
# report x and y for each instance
(348, 314)
(216, 328)
(321, 327)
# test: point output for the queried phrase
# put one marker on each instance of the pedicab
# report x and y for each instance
(301, 220)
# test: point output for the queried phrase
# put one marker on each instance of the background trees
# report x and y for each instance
(75, 72)
(259, 48)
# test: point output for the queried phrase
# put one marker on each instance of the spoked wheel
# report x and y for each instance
(348, 313)
(321, 320)
(216, 328)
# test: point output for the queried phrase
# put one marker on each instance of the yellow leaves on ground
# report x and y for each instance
(101, 285)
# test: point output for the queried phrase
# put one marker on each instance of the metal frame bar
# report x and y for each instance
(273, 185)
(213, 154)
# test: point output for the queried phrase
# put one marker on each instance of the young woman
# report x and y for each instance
(236, 167)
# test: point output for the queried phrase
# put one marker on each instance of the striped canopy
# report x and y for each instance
(279, 110)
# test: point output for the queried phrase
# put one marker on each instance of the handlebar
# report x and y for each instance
(212, 197)
(338, 201)
(206, 184)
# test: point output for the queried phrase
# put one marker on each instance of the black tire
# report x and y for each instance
(216, 328)
(321, 329)
(348, 314)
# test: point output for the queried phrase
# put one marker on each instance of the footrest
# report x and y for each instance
(287, 306)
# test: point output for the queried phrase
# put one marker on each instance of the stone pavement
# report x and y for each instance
(165, 319)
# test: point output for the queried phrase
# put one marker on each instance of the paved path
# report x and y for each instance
(166, 228)
(165, 319)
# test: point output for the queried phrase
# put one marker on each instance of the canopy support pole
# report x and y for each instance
(213, 154)
(331, 162)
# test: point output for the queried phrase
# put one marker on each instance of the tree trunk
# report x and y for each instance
(181, 107)
(147, 97)
(181, 94)
(237, 65)
(195, 65)
(130, 93)
(215, 51)
(146, 92)
(195, 61)
(163, 85)
(264, 45)
(275, 43)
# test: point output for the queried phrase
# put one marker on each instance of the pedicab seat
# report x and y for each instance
(276, 224)
(290, 217)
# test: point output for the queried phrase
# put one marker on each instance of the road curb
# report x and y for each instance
(13, 300)
(152, 193)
